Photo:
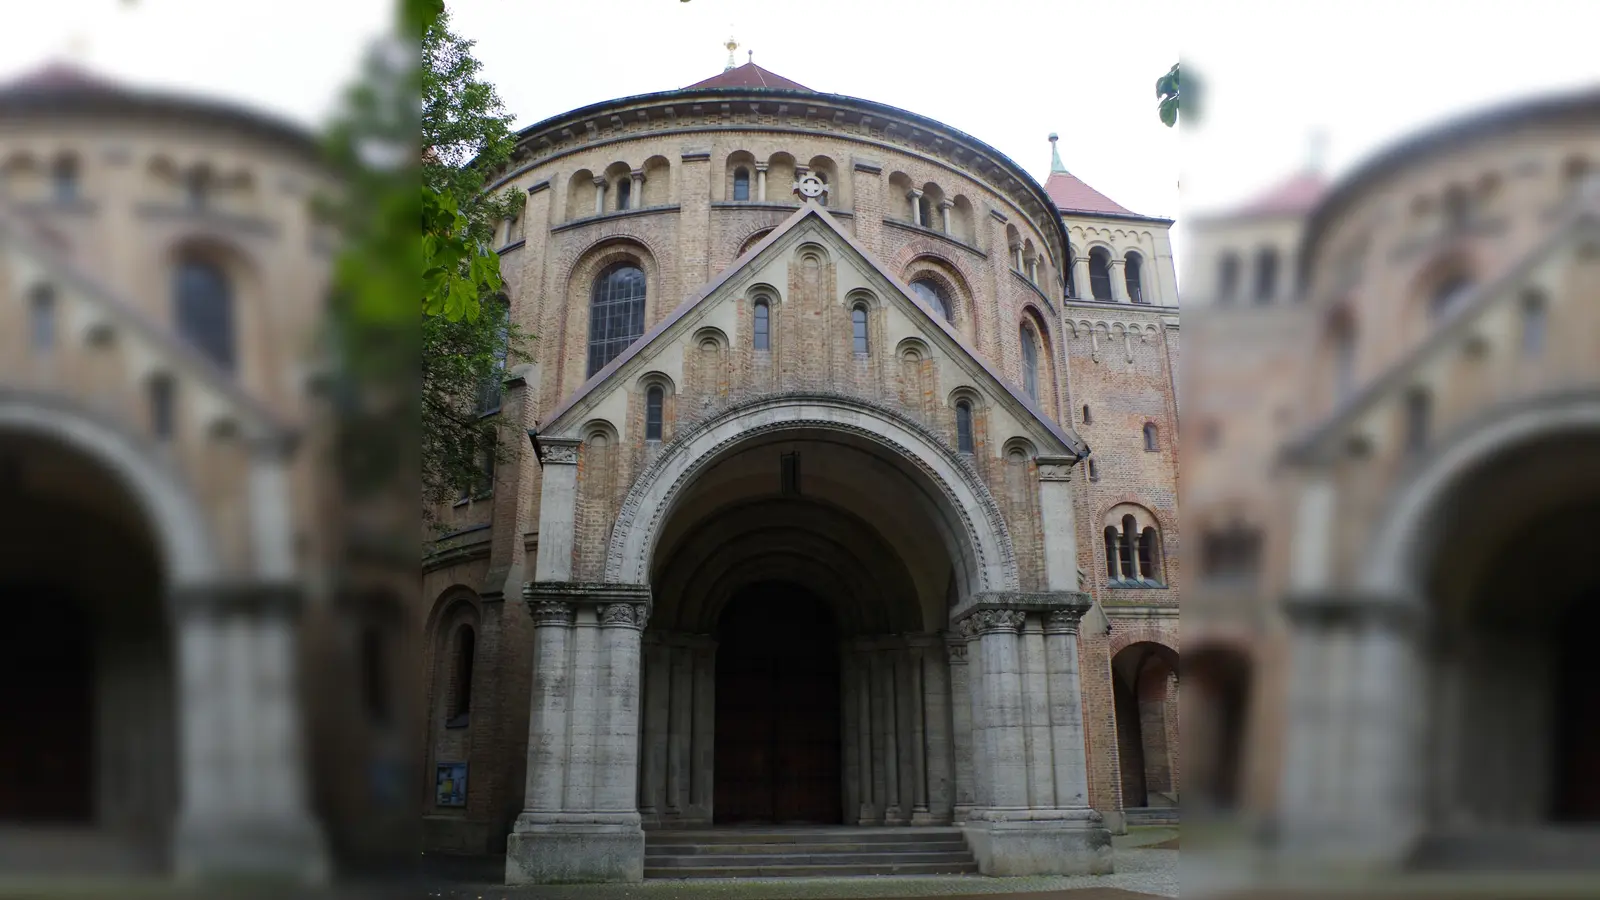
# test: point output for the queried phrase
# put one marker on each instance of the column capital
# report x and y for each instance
(559, 451)
(914, 193)
(992, 621)
(956, 646)
(600, 181)
(637, 173)
(1020, 603)
(946, 203)
(1055, 468)
(616, 605)
(761, 166)
(1117, 261)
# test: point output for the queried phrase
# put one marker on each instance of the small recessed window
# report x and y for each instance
(1132, 276)
(1094, 471)
(858, 324)
(624, 193)
(42, 318)
(741, 184)
(761, 330)
(1030, 362)
(654, 399)
(1151, 437)
(964, 426)
(1086, 417)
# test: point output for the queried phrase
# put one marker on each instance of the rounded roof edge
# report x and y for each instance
(1448, 134)
(809, 96)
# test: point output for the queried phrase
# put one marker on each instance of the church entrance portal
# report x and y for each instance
(777, 713)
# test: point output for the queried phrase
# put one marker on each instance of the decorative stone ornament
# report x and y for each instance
(810, 186)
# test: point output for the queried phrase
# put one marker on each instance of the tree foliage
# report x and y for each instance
(1167, 95)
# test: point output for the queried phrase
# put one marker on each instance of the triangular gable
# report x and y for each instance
(1068, 442)
(1324, 441)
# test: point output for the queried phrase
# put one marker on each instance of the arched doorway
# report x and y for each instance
(1216, 687)
(777, 715)
(1144, 692)
(87, 692)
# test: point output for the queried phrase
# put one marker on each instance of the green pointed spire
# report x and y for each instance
(1055, 155)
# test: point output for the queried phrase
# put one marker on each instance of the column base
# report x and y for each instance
(213, 849)
(1075, 846)
(925, 817)
(574, 853)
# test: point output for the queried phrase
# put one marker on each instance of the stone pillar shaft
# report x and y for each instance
(965, 795)
(636, 197)
(1119, 280)
(761, 182)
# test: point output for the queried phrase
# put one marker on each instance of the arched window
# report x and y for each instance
(1125, 548)
(964, 426)
(42, 317)
(1112, 552)
(1099, 274)
(741, 183)
(1086, 418)
(624, 193)
(1266, 275)
(858, 325)
(924, 212)
(1030, 361)
(162, 413)
(653, 400)
(933, 295)
(761, 329)
(1151, 441)
(1131, 275)
(1228, 278)
(461, 699)
(1447, 294)
(205, 310)
(616, 313)
(1533, 324)
(64, 180)
(1149, 555)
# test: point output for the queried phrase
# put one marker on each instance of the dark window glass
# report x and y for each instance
(205, 310)
(1150, 442)
(1111, 553)
(1094, 471)
(1228, 278)
(42, 317)
(1147, 554)
(924, 213)
(858, 323)
(465, 647)
(1266, 275)
(1131, 272)
(964, 426)
(1086, 417)
(1072, 287)
(1125, 547)
(653, 400)
(741, 184)
(616, 313)
(162, 413)
(1030, 362)
(761, 332)
(624, 193)
(933, 295)
(1099, 275)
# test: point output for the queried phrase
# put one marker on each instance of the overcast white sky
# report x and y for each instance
(1006, 71)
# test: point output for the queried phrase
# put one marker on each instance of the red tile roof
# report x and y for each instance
(1072, 195)
(1293, 196)
(749, 75)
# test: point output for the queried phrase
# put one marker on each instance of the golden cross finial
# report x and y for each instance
(732, 45)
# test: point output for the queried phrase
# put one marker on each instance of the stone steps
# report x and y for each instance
(1152, 815)
(810, 853)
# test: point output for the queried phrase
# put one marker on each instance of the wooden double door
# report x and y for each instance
(777, 717)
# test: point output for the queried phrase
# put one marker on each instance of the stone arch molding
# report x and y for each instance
(1392, 569)
(655, 490)
(176, 521)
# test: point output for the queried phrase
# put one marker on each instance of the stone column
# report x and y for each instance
(1080, 277)
(761, 182)
(928, 723)
(871, 777)
(915, 196)
(653, 780)
(965, 794)
(636, 197)
(1028, 740)
(580, 820)
(1119, 280)
(1352, 788)
(599, 194)
(946, 207)
(888, 747)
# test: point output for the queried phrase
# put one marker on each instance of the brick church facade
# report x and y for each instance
(842, 491)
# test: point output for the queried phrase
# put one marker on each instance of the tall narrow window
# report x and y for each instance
(1228, 278)
(489, 395)
(616, 313)
(1094, 471)
(162, 413)
(1112, 552)
(1149, 555)
(465, 648)
(1086, 417)
(1151, 441)
(924, 213)
(858, 324)
(1099, 274)
(484, 485)
(964, 426)
(1533, 325)
(653, 400)
(761, 329)
(1266, 275)
(624, 193)
(741, 184)
(205, 310)
(42, 318)
(1419, 410)
(1030, 362)
(1131, 275)
(64, 181)
(933, 295)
